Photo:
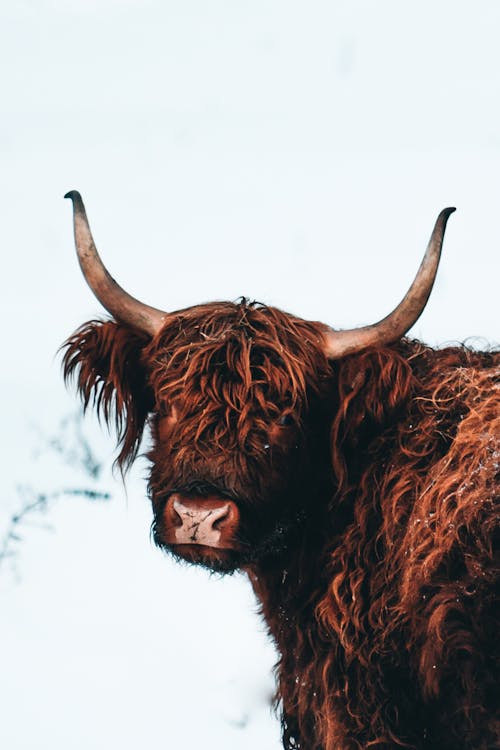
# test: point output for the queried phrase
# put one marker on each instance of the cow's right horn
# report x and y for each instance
(391, 328)
(122, 306)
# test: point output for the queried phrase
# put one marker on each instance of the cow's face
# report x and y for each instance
(240, 419)
(251, 424)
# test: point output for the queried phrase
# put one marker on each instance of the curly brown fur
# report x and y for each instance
(368, 492)
(399, 647)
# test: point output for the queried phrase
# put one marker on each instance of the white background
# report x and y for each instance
(294, 152)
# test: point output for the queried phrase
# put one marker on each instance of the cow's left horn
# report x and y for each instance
(116, 300)
(399, 321)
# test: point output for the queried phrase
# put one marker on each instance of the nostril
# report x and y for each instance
(219, 522)
(174, 517)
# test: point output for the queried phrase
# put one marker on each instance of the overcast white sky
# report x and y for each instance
(294, 152)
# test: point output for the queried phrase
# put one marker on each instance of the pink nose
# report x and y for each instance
(210, 521)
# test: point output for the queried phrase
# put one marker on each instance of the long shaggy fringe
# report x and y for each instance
(232, 372)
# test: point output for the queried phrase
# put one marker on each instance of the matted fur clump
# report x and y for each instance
(368, 496)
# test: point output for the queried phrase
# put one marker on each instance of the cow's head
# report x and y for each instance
(240, 400)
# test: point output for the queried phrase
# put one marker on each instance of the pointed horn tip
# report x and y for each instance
(73, 195)
(446, 212)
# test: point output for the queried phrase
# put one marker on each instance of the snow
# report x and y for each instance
(297, 153)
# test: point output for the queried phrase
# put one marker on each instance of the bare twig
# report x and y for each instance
(34, 503)
(72, 446)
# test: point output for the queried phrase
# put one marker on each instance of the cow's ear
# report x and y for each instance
(372, 389)
(106, 360)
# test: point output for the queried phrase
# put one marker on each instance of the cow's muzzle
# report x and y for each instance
(208, 521)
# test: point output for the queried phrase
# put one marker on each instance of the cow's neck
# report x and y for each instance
(286, 584)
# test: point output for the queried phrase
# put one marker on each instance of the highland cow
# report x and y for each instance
(352, 474)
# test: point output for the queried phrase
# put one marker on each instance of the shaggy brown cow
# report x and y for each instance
(352, 474)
